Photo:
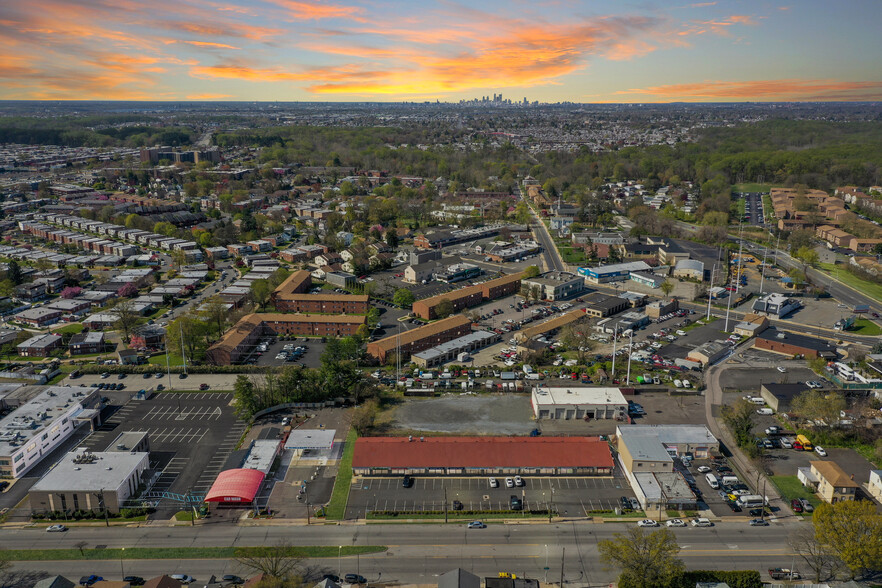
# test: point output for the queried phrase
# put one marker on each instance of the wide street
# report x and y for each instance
(417, 553)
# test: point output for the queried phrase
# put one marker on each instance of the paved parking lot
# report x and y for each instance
(570, 495)
(749, 379)
(191, 436)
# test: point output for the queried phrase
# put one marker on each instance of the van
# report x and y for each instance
(533, 376)
(765, 411)
(729, 480)
(758, 400)
(712, 481)
(678, 384)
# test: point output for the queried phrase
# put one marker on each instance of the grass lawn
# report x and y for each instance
(790, 487)
(869, 288)
(866, 327)
(182, 552)
(72, 328)
(173, 359)
(336, 508)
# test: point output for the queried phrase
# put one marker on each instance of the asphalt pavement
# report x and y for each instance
(418, 553)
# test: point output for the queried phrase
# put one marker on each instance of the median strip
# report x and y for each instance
(310, 552)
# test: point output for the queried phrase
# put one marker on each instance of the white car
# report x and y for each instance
(476, 525)
(647, 523)
(701, 522)
(494, 483)
(518, 481)
(183, 578)
(675, 523)
(56, 528)
(703, 469)
(509, 483)
(820, 451)
(782, 370)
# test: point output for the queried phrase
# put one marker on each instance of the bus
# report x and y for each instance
(806, 444)
(751, 501)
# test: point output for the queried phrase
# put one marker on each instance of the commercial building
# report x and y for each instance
(239, 342)
(691, 269)
(551, 325)
(457, 272)
(791, 344)
(449, 351)
(556, 285)
(236, 487)
(469, 296)
(481, 456)
(340, 279)
(751, 325)
(39, 346)
(776, 305)
(83, 480)
(578, 402)
(779, 396)
(613, 273)
(708, 353)
(415, 274)
(652, 448)
(601, 305)
(662, 307)
(619, 324)
(828, 480)
(41, 424)
(647, 279)
(419, 339)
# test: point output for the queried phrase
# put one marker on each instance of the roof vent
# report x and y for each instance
(76, 469)
(108, 468)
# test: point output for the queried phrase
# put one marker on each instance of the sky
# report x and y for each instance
(416, 50)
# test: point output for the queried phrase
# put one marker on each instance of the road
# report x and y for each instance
(418, 553)
(550, 253)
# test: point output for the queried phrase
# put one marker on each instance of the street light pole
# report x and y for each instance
(122, 570)
(339, 564)
(630, 351)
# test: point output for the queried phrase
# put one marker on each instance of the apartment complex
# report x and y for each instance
(420, 339)
(469, 296)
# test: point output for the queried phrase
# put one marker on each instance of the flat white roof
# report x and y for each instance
(311, 439)
(669, 434)
(107, 470)
(578, 395)
(262, 454)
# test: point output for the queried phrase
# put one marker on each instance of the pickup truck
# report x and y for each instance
(784, 574)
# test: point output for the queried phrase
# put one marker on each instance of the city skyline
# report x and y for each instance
(353, 50)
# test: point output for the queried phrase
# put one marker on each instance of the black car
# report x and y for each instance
(406, 482)
(134, 580)
(515, 503)
(230, 578)
(756, 512)
(333, 578)
(355, 579)
(3, 485)
(457, 505)
(733, 505)
(182, 376)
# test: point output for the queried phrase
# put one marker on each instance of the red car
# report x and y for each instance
(796, 505)
(574, 376)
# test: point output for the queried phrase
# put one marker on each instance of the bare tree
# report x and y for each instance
(274, 561)
(816, 556)
(127, 317)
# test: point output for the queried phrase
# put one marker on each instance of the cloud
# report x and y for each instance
(771, 90)
(703, 4)
(209, 45)
(304, 10)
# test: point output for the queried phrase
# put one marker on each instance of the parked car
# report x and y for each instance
(647, 523)
(675, 523)
(703, 469)
(183, 578)
(406, 482)
(90, 580)
(230, 578)
(796, 505)
(494, 483)
(820, 451)
(134, 580)
(806, 505)
(457, 505)
(203, 386)
(354, 579)
(701, 522)
(518, 481)
(509, 483)
(759, 523)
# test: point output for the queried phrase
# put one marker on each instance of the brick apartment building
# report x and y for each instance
(469, 296)
(420, 339)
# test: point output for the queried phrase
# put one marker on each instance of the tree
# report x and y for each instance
(127, 317)
(532, 271)
(215, 313)
(365, 416)
(645, 560)
(853, 531)
(127, 290)
(391, 237)
(739, 418)
(444, 308)
(260, 293)
(71, 292)
(13, 272)
(819, 404)
(667, 287)
(577, 337)
(403, 298)
(276, 562)
(807, 255)
(815, 555)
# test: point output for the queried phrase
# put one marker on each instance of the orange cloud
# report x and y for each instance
(210, 45)
(301, 10)
(786, 89)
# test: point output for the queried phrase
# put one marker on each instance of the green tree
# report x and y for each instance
(13, 273)
(403, 298)
(444, 308)
(819, 404)
(532, 271)
(851, 529)
(807, 255)
(667, 287)
(739, 418)
(245, 398)
(645, 560)
(260, 293)
(577, 337)
(365, 416)
(391, 237)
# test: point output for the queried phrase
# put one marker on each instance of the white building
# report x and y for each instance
(84, 480)
(41, 425)
(567, 403)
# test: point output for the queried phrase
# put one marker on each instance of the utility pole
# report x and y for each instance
(740, 254)
(445, 504)
(709, 295)
(777, 244)
(630, 351)
(612, 376)
(728, 306)
(763, 269)
(562, 558)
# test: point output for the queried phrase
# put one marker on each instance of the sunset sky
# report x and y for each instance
(393, 50)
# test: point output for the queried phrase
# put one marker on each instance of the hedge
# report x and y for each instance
(735, 579)
(393, 513)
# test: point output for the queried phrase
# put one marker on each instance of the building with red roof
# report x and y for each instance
(236, 486)
(378, 456)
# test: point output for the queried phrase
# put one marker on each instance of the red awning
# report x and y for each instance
(239, 485)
